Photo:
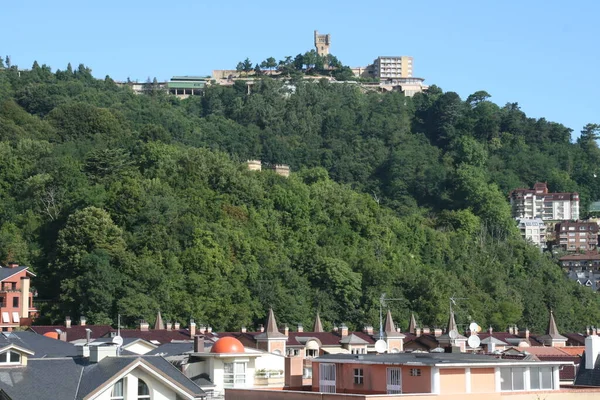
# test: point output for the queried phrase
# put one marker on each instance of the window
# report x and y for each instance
(118, 391)
(512, 379)
(415, 372)
(10, 357)
(540, 377)
(311, 353)
(234, 374)
(358, 376)
(143, 391)
(327, 378)
(16, 301)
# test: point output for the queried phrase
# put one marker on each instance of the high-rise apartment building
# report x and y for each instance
(534, 231)
(539, 203)
(576, 236)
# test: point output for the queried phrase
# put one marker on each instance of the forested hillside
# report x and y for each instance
(125, 203)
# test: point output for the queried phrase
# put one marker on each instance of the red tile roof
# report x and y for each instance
(75, 332)
(160, 336)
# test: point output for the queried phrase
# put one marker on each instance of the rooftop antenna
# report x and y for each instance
(453, 300)
(382, 303)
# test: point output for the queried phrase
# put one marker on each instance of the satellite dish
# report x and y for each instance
(453, 334)
(118, 341)
(473, 327)
(474, 342)
(478, 329)
(380, 346)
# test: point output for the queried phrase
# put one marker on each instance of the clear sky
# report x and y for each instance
(542, 54)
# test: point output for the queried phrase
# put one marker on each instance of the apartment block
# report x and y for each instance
(576, 236)
(539, 203)
(533, 230)
(390, 68)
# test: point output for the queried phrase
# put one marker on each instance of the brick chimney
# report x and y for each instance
(526, 333)
(369, 330)
(82, 320)
(144, 325)
(437, 332)
(169, 326)
(243, 330)
(176, 326)
(13, 264)
(426, 330)
(286, 330)
(261, 328)
(68, 322)
(192, 329)
(417, 332)
(208, 329)
(300, 328)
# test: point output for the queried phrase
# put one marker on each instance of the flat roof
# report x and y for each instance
(429, 359)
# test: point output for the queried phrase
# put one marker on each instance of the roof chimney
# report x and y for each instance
(192, 329)
(437, 332)
(209, 329)
(169, 326)
(243, 330)
(286, 330)
(68, 322)
(199, 344)
(88, 335)
(592, 348)
(202, 329)
(98, 353)
(82, 320)
(144, 325)
(300, 328)
(417, 331)
(61, 335)
(490, 330)
(13, 264)
(426, 330)
(587, 331)
(176, 326)
(261, 328)
(511, 330)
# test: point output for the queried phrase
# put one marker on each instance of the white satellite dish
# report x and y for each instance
(473, 327)
(118, 341)
(453, 334)
(380, 346)
(474, 342)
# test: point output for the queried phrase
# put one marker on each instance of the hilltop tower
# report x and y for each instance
(322, 43)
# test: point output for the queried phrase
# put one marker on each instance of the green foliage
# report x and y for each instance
(127, 204)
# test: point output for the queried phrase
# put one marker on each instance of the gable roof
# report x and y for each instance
(353, 339)
(6, 273)
(41, 346)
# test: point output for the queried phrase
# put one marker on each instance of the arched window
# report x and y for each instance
(118, 391)
(143, 391)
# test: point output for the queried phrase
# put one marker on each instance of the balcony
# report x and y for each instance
(269, 378)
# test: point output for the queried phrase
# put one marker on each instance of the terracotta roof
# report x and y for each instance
(573, 350)
(75, 332)
(544, 351)
(161, 336)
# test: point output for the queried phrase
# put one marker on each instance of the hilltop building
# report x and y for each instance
(540, 203)
(322, 43)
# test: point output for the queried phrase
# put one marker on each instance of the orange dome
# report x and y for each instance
(228, 344)
(53, 335)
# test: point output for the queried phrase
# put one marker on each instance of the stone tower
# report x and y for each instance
(322, 43)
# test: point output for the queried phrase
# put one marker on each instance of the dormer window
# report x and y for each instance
(118, 391)
(143, 391)
(10, 357)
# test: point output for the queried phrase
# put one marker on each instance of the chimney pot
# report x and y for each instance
(144, 325)
(68, 322)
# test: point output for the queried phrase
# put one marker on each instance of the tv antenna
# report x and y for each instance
(454, 299)
(382, 303)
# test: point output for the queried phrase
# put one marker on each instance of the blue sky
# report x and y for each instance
(542, 54)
